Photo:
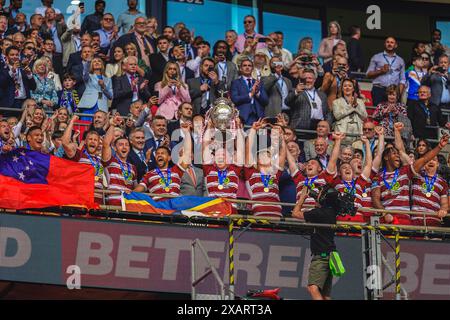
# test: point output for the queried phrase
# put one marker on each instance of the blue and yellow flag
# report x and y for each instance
(139, 202)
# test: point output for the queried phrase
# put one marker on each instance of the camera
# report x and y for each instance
(440, 70)
(340, 69)
(305, 59)
(343, 203)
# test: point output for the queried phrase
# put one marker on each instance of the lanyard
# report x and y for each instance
(222, 175)
(127, 175)
(223, 70)
(394, 185)
(426, 110)
(266, 180)
(372, 145)
(348, 188)
(95, 163)
(313, 97)
(390, 64)
(280, 83)
(310, 182)
(205, 80)
(163, 179)
(430, 184)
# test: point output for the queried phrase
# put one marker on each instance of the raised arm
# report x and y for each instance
(297, 211)
(398, 127)
(419, 163)
(206, 143)
(376, 163)
(240, 145)
(186, 159)
(337, 137)
(107, 140)
(249, 154)
(70, 147)
(368, 161)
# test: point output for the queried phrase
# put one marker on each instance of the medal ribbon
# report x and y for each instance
(394, 180)
(309, 183)
(95, 163)
(429, 183)
(166, 181)
(351, 189)
(222, 175)
(265, 178)
(126, 175)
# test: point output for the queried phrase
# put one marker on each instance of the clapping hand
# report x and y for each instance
(379, 131)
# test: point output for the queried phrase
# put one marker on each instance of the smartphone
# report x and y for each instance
(302, 81)
(262, 40)
(211, 69)
(174, 77)
(443, 132)
(440, 70)
(271, 120)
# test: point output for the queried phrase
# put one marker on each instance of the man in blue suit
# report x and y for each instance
(248, 95)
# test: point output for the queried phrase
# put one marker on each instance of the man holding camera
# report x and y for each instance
(203, 89)
(437, 80)
(331, 83)
(16, 80)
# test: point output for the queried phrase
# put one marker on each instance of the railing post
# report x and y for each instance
(397, 266)
(231, 258)
(193, 271)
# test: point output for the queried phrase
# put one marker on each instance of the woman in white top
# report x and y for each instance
(52, 74)
(349, 112)
(115, 68)
(327, 44)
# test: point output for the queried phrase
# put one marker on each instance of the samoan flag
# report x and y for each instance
(186, 205)
(32, 180)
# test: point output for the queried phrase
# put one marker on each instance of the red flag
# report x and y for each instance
(30, 179)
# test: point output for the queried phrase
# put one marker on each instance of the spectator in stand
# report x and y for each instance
(322, 131)
(248, 94)
(249, 27)
(248, 52)
(88, 154)
(436, 48)
(3, 27)
(391, 111)
(142, 69)
(321, 147)
(164, 179)
(231, 38)
(92, 21)
(114, 67)
(53, 28)
(338, 50)
(75, 58)
(180, 58)
(225, 69)
(55, 58)
(139, 156)
(36, 22)
(129, 87)
(414, 78)
(185, 42)
(331, 83)
(79, 69)
(46, 4)
(369, 133)
(327, 44)
(424, 113)
(152, 28)
(169, 33)
(120, 174)
(349, 112)
(203, 51)
(273, 50)
(100, 123)
(159, 60)
(262, 174)
(18, 40)
(355, 52)
(277, 88)
(423, 146)
(126, 19)
(185, 112)
(35, 139)
(71, 42)
(108, 33)
(173, 91)
(386, 68)
(308, 105)
(261, 66)
(45, 93)
(205, 89)
(159, 134)
(98, 89)
(286, 54)
(305, 45)
(20, 25)
(437, 80)
(391, 191)
(16, 81)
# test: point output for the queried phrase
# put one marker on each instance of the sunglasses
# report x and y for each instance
(30, 48)
(425, 58)
(248, 22)
(368, 129)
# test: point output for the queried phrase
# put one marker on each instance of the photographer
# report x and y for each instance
(323, 247)
(307, 60)
(437, 80)
(16, 81)
(204, 89)
(332, 80)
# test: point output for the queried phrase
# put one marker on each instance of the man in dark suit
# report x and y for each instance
(159, 60)
(145, 45)
(49, 51)
(204, 89)
(438, 80)
(129, 87)
(248, 95)
(424, 114)
(192, 182)
(139, 155)
(15, 82)
(92, 21)
(180, 58)
(53, 28)
(185, 111)
(185, 42)
(277, 88)
(225, 69)
(78, 69)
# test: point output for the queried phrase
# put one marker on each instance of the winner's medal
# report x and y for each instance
(220, 187)
(266, 189)
(428, 186)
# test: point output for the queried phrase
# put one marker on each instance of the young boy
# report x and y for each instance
(68, 97)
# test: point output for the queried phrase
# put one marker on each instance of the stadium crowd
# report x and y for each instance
(134, 104)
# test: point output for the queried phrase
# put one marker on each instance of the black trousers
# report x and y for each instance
(378, 95)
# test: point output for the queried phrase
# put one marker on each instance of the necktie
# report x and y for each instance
(192, 175)
(141, 155)
(249, 84)
(133, 87)
(158, 143)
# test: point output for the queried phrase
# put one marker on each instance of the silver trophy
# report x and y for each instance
(223, 113)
